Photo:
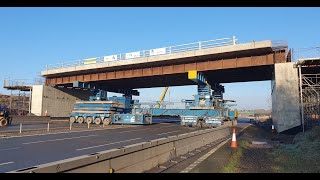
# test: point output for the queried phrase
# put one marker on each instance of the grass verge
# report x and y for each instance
(233, 164)
(303, 156)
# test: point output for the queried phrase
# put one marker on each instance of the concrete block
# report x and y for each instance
(101, 167)
(133, 147)
(163, 140)
(172, 138)
(181, 136)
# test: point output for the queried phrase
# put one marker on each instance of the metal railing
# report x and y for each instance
(147, 53)
(279, 43)
(305, 53)
(22, 82)
(16, 82)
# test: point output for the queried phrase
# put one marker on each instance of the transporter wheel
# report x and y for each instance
(205, 125)
(89, 120)
(97, 120)
(200, 124)
(107, 121)
(72, 119)
(3, 122)
(80, 120)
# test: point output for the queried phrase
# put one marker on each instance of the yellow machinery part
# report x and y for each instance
(236, 113)
(163, 94)
(192, 74)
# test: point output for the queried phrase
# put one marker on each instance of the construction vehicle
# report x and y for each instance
(5, 118)
(101, 109)
(208, 109)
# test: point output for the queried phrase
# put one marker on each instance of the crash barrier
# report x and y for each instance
(134, 158)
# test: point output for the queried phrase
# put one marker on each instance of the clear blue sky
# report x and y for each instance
(30, 38)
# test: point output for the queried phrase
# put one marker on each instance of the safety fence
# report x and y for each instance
(147, 53)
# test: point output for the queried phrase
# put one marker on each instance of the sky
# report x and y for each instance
(31, 38)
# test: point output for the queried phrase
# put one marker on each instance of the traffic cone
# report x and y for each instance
(234, 141)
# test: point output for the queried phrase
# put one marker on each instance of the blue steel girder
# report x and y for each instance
(216, 86)
(93, 86)
(201, 80)
(128, 92)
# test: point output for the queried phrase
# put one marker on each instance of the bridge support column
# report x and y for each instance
(285, 97)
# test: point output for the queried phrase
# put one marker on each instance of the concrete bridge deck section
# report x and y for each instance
(234, 63)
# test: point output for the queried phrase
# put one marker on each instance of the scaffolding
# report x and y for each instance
(18, 103)
(309, 82)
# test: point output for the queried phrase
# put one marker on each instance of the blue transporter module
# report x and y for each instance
(95, 111)
(132, 119)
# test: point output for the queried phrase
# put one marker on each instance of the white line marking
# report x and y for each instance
(168, 132)
(146, 129)
(134, 130)
(67, 132)
(9, 149)
(107, 144)
(6, 163)
(59, 139)
(190, 167)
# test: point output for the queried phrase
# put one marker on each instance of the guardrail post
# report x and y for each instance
(20, 128)
(70, 126)
(48, 128)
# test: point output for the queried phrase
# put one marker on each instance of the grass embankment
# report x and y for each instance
(301, 156)
(234, 162)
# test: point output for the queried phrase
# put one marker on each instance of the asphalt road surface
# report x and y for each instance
(27, 151)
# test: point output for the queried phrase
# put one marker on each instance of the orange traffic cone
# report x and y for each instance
(234, 141)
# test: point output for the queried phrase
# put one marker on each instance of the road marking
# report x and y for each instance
(134, 130)
(167, 126)
(168, 132)
(6, 163)
(68, 132)
(145, 129)
(58, 139)
(107, 144)
(9, 149)
(194, 164)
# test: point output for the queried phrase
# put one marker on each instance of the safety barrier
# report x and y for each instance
(147, 53)
(135, 158)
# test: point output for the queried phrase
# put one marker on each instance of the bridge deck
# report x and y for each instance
(235, 63)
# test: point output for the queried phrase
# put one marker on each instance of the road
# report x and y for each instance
(27, 151)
